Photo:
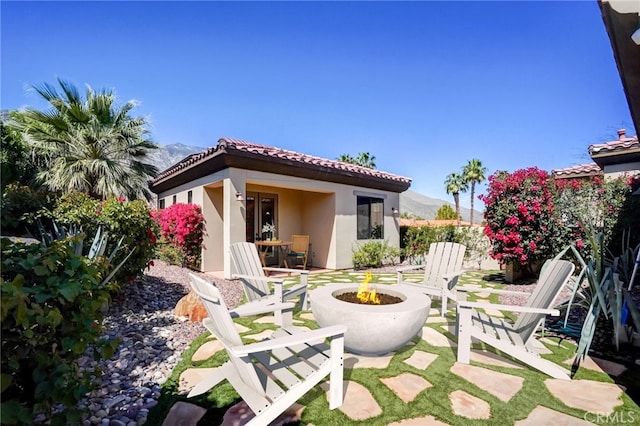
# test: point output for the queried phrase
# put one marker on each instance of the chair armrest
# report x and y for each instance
(253, 277)
(297, 271)
(453, 274)
(263, 306)
(410, 268)
(492, 291)
(294, 339)
(512, 308)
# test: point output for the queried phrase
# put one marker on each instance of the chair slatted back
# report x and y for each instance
(300, 243)
(246, 260)
(443, 258)
(223, 327)
(554, 274)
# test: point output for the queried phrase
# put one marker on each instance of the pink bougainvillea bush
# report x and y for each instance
(181, 230)
(519, 215)
(531, 217)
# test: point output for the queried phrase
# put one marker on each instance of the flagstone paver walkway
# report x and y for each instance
(421, 360)
(595, 397)
(502, 386)
(358, 402)
(205, 351)
(600, 365)
(422, 421)
(469, 406)
(412, 384)
(406, 385)
(546, 416)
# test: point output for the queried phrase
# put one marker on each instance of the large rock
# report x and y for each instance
(190, 306)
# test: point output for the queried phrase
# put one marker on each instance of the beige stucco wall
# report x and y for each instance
(325, 211)
(213, 250)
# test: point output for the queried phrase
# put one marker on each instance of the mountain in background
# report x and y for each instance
(420, 205)
(168, 155)
(411, 202)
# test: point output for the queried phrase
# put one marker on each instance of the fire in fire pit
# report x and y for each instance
(367, 296)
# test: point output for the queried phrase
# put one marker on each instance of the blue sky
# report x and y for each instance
(423, 86)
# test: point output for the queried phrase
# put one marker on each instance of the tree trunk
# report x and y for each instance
(473, 190)
(456, 198)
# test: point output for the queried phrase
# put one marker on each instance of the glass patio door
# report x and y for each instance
(262, 209)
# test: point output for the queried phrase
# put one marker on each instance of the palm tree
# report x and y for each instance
(346, 158)
(367, 160)
(90, 145)
(455, 184)
(473, 173)
(363, 159)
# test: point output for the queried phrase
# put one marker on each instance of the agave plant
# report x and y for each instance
(76, 239)
(599, 289)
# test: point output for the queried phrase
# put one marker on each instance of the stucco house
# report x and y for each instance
(617, 157)
(242, 186)
(610, 159)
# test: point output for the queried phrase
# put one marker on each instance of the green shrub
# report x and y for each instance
(51, 301)
(170, 253)
(79, 210)
(446, 212)
(416, 240)
(129, 219)
(374, 254)
(21, 206)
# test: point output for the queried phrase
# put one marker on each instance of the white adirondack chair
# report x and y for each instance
(255, 283)
(515, 339)
(273, 374)
(442, 268)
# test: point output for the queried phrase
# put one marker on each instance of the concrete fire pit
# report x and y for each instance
(372, 329)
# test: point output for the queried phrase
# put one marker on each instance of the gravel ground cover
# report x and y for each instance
(152, 341)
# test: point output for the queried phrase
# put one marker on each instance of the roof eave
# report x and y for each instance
(616, 157)
(620, 27)
(252, 161)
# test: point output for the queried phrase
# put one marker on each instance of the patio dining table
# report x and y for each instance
(279, 246)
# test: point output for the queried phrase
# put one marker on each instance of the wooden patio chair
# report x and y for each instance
(515, 339)
(255, 283)
(273, 374)
(442, 268)
(299, 251)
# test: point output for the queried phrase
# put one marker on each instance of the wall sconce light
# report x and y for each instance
(239, 196)
(395, 211)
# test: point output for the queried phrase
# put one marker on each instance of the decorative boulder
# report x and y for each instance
(190, 306)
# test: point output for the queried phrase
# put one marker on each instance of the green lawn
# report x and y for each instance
(432, 401)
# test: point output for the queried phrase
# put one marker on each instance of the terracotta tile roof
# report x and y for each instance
(264, 153)
(589, 169)
(615, 146)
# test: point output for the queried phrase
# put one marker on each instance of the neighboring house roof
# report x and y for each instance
(252, 156)
(624, 150)
(434, 222)
(622, 21)
(578, 171)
